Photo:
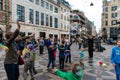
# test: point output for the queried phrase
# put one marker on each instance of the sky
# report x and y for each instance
(93, 13)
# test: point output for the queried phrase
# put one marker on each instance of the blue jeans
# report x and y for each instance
(12, 71)
(51, 61)
(117, 70)
(80, 45)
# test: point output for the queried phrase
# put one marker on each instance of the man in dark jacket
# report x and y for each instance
(11, 59)
(90, 47)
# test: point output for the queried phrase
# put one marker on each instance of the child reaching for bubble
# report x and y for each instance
(29, 60)
(81, 56)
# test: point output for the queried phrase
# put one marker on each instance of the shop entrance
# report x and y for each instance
(42, 34)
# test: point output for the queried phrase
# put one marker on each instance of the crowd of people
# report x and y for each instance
(22, 51)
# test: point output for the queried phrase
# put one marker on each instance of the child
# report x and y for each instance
(75, 74)
(67, 52)
(29, 60)
(115, 59)
(51, 56)
(61, 55)
(54, 52)
(81, 54)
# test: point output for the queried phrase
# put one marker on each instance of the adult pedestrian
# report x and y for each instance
(11, 60)
(115, 59)
(90, 47)
(41, 45)
(80, 42)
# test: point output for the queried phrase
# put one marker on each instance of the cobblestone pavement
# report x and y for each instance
(91, 72)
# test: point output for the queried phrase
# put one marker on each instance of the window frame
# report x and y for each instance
(21, 13)
(42, 3)
(37, 17)
(1, 4)
(37, 2)
(47, 20)
(42, 18)
(31, 16)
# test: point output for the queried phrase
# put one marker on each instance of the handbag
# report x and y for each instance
(20, 60)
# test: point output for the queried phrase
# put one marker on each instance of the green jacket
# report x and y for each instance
(69, 75)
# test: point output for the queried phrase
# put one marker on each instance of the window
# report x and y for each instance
(61, 9)
(51, 7)
(56, 9)
(42, 18)
(51, 20)
(37, 2)
(105, 9)
(114, 15)
(114, 8)
(61, 25)
(42, 3)
(61, 16)
(31, 0)
(21, 13)
(47, 20)
(106, 23)
(68, 19)
(64, 17)
(47, 5)
(56, 23)
(114, 22)
(31, 16)
(106, 16)
(1, 4)
(37, 17)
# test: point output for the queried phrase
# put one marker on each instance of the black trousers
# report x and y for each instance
(90, 51)
(68, 58)
(41, 49)
(61, 63)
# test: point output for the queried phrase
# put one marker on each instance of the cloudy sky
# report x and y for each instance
(93, 13)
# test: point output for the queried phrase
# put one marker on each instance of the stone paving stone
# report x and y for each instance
(87, 77)
(43, 77)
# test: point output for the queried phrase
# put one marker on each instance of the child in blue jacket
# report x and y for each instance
(115, 59)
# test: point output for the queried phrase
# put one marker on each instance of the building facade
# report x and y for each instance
(110, 26)
(39, 16)
(78, 22)
(64, 19)
(5, 13)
